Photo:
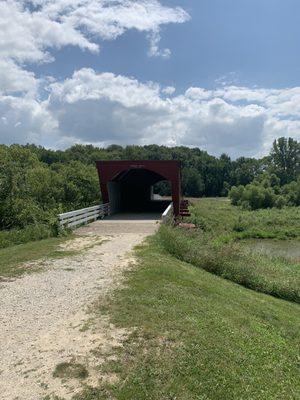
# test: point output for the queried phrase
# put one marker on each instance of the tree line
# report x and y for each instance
(278, 185)
(38, 183)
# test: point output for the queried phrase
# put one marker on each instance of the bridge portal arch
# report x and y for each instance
(127, 185)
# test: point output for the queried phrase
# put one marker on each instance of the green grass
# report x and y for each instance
(70, 370)
(12, 258)
(195, 336)
(272, 275)
(220, 218)
(216, 246)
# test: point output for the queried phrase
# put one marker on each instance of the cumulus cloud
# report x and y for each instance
(104, 108)
(31, 29)
(28, 29)
(14, 79)
(26, 120)
(107, 108)
(169, 90)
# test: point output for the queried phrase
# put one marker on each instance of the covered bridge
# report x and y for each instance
(128, 185)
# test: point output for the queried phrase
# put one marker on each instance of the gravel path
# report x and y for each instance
(44, 318)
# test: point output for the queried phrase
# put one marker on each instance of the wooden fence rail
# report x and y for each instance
(85, 215)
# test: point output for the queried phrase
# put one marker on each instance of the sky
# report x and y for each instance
(222, 75)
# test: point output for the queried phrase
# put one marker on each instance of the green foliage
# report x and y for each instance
(33, 192)
(192, 183)
(285, 159)
(30, 232)
(276, 182)
(265, 192)
(230, 261)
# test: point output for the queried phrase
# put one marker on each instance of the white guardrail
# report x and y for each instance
(78, 217)
(167, 214)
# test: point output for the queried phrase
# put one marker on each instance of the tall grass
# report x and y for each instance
(215, 247)
(28, 234)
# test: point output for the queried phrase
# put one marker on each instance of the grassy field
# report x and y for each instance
(219, 217)
(12, 258)
(219, 245)
(195, 335)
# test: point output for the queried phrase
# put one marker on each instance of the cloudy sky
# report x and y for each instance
(223, 75)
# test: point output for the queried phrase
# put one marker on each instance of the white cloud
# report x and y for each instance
(25, 120)
(154, 50)
(104, 108)
(28, 29)
(15, 79)
(31, 29)
(169, 90)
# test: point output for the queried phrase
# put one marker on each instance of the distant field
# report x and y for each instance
(218, 216)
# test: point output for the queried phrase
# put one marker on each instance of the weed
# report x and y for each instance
(70, 370)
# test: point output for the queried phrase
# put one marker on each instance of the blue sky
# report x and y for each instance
(233, 67)
(257, 41)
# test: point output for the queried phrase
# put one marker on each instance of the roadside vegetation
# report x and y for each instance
(194, 335)
(17, 260)
(219, 245)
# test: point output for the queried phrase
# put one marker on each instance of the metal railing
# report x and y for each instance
(167, 215)
(83, 216)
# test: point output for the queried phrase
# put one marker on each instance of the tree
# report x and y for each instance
(244, 170)
(192, 183)
(285, 159)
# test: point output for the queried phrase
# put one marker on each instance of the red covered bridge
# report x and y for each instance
(127, 185)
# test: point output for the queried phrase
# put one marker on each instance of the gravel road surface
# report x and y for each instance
(44, 318)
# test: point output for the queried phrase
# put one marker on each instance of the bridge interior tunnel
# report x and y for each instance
(132, 191)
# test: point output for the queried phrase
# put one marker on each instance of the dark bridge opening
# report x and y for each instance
(128, 185)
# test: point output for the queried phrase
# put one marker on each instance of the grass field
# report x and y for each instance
(218, 216)
(198, 336)
(219, 245)
(12, 258)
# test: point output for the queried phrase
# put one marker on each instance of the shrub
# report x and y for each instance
(236, 194)
(264, 192)
(19, 236)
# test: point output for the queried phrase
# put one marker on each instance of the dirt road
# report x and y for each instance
(44, 317)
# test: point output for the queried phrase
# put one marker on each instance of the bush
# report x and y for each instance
(30, 233)
(264, 192)
(236, 194)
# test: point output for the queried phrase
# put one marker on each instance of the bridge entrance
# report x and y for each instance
(128, 185)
